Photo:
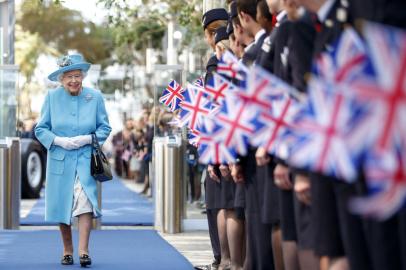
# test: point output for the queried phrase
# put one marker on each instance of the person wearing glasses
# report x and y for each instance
(69, 115)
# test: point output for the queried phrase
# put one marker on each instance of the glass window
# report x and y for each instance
(8, 100)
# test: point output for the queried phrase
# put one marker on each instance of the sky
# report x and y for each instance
(89, 9)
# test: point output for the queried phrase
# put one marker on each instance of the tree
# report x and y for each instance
(65, 29)
(142, 25)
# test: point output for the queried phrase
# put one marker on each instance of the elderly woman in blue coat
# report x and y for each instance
(70, 114)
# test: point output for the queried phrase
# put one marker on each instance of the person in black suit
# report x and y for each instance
(292, 62)
(247, 13)
(241, 35)
(277, 200)
(212, 20)
(259, 248)
(340, 235)
(278, 55)
(232, 233)
(386, 239)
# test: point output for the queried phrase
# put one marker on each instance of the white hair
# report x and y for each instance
(60, 76)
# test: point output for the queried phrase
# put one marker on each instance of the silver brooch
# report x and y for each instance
(88, 97)
(64, 61)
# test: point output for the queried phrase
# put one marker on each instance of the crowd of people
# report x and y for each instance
(262, 212)
(132, 146)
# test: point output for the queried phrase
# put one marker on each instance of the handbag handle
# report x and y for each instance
(95, 143)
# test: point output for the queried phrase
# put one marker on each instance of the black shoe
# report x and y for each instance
(85, 260)
(67, 260)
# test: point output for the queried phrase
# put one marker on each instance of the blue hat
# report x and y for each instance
(67, 63)
(214, 15)
(221, 34)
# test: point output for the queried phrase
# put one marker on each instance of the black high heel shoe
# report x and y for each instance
(85, 260)
(67, 260)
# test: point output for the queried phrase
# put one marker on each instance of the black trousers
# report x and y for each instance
(287, 215)
(387, 242)
(213, 232)
(192, 182)
(259, 235)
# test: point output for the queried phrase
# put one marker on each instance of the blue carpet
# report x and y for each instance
(109, 249)
(120, 206)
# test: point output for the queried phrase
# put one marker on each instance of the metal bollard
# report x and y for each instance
(173, 190)
(158, 181)
(10, 183)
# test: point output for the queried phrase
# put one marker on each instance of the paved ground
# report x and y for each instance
(194, 245)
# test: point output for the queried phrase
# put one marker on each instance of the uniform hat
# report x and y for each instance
(221, 34)
(230, 28)
(67, 63)
(233, 9)
(214, 15)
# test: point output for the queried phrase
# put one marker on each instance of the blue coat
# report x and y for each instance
(68, 116)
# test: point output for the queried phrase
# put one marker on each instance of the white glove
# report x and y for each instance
(66, 143)
(82, 140)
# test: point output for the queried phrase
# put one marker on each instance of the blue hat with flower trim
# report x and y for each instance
(67, 63)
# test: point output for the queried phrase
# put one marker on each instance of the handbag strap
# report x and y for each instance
(95, 143)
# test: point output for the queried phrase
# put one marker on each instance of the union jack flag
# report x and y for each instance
(218, 87)
(213, 151)
(335, 127)
(275, 125)
(346, 62)
(199, 82)
(172, 95)
(385, 166)
(231, 68)
(194, 108)
(194, 137)
(263, 87)
(387, 50)
(328, 132)
(234, 117)
(386, 175)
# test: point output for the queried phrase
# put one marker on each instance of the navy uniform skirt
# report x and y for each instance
(227, 193)
(213, 191)
(338, 232)
(270, 212)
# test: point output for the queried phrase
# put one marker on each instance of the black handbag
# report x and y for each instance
(99, 165)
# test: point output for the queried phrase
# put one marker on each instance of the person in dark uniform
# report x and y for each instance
(212, 20)
(275, 197)
(340, 235)
(230, 233)
(247, 13)
(293, 48)
(259, 244)
(241, 35)
(270, 209)
(386, 239)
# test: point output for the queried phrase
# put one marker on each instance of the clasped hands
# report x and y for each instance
(72, 143)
